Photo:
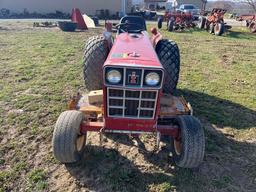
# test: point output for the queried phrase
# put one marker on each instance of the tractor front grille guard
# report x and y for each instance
(124, 103)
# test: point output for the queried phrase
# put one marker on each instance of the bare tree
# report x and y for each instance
(251, 3)
(203, 5)
(223, 5)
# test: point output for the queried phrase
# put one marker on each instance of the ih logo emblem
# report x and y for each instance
(133, 78)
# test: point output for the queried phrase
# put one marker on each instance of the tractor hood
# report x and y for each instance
(133, 50)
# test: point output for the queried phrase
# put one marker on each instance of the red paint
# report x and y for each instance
(156, 36)
(91, 126)
(125, 45)
(130, 124)
(78, 18)
(178, 17)
(119, 125)
(132, 50)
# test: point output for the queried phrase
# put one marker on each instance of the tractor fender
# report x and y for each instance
(156, 36)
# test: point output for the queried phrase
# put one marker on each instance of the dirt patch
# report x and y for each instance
(22, 26)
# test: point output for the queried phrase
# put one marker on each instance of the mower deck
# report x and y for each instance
(91, 105)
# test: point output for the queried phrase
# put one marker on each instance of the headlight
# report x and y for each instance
(152, 79)
(114, 76)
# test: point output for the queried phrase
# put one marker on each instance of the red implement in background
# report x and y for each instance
(250, 21)
(176, 20)
(214, 22)
(78, 18)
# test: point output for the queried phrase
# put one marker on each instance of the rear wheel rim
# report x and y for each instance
(177, 146)
(217, 28)
(253, 28)
(80, 142)
(211, 28)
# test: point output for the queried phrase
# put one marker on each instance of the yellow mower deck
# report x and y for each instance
(92, 105)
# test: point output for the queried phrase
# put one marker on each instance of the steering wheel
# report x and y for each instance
(126, 25)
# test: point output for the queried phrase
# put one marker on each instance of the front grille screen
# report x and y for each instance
(131, 104)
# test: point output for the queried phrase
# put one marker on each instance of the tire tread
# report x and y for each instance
(169, 56)
(193, 142)
(95, 53)
(65, 134)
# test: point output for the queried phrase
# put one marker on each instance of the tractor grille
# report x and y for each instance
(131, 104)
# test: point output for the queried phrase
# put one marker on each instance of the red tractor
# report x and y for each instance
(250, 21)
(131, 81)
(214, 22)
(176, 20)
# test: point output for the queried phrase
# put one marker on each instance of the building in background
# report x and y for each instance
(164, 3)
(154, 4)
(137, 2)
(89, 7)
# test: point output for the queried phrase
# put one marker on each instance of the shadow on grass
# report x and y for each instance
(219, 111)
(240, 35)
(185, 30)
(103, 169)
(4, 29)
(106, 170)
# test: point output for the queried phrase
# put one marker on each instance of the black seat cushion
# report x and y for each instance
(139, 21)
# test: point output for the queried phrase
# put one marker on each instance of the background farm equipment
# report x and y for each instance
(176, 20)
(67, 26)
(45, 24)
(250, 21)
(214, 22)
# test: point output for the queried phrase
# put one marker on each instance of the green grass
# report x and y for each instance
(41, 68)
(37, 180)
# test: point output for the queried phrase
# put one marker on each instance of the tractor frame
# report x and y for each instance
(250, 21)
(132, 81)
(214, 22)
(176, 20)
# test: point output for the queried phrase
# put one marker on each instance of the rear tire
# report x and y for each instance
(65, 137)
(95, 53)
(188, 150)
(170, 25)
(219, 29)
(248, 22)
(252, 27)
(159, 22)
(169, 56)
(201, 22)
(211, 28)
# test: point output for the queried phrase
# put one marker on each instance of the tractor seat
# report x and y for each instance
(132, 24)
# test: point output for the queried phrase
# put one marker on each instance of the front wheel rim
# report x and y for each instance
(177, 146)
(80, 142)
(217, 28)
(253, 28)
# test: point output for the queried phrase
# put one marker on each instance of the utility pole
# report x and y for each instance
(203, 6)
(123, 7)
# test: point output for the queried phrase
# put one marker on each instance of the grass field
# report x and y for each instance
(41, 68)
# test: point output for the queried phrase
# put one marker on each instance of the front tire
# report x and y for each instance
(159, 22)
(170, 25)
(211, 28)
(95, 53)
(188, 149)
(252, 27)
(219, 29)
(169, 56)
(68, 143)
